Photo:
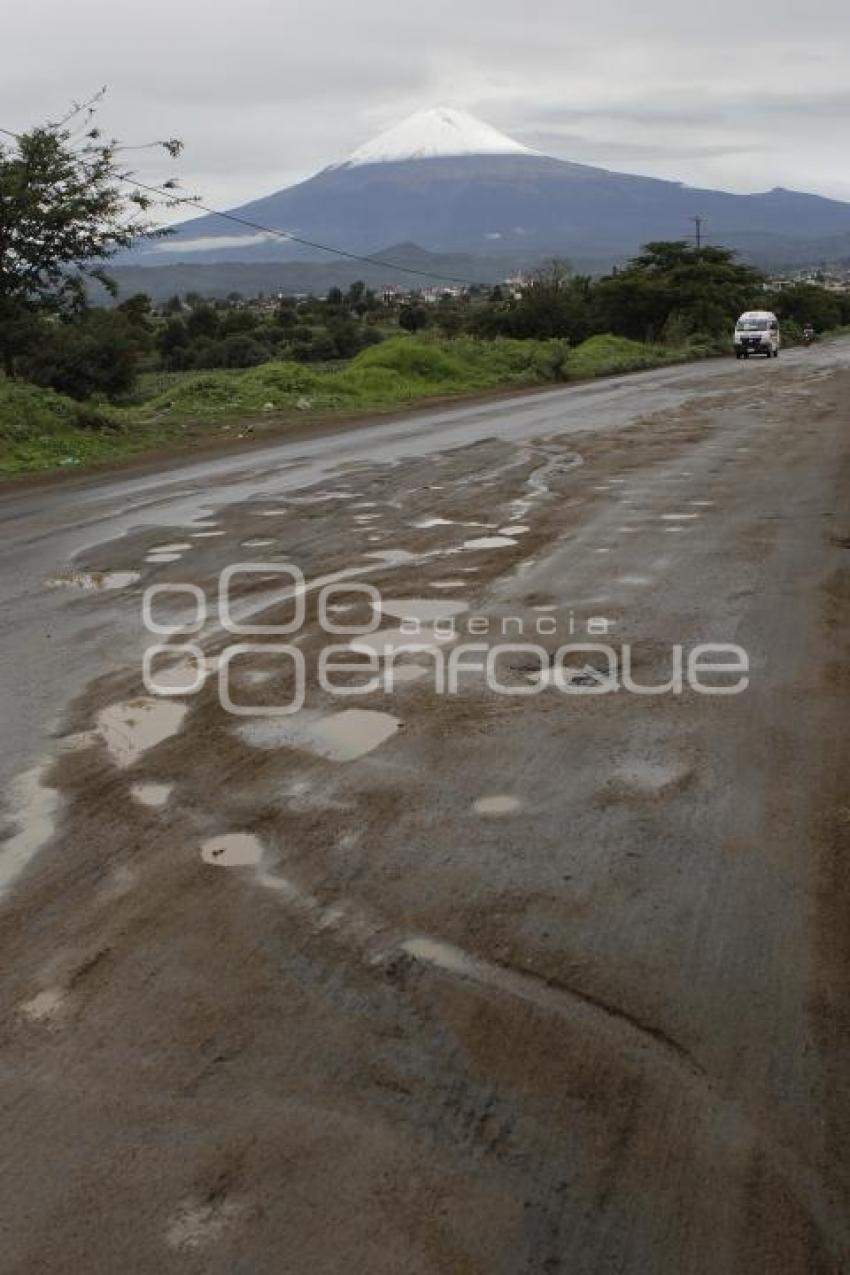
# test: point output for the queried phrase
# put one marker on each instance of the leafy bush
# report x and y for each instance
(27, 409)
(40, 429)
(602, 355)
(95, 354)
(408, 357)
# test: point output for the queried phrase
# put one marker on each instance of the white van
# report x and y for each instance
(757, 332)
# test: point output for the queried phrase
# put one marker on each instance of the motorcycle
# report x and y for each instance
(808, 335)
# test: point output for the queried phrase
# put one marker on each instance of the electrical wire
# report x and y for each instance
(286, 235)
(290, 237)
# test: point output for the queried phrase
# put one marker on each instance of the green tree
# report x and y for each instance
(96, 353)
(554, 303)
(413, 318)
(67, 204)
(202, 320)
(705, 288)
(804, 303)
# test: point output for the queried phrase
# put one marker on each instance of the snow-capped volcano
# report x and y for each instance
(446, 182)
(433, 134)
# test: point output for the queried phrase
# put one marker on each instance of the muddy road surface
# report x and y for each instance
(531, 959)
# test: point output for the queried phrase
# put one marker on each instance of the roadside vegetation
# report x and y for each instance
(43, 429)
(84, 383)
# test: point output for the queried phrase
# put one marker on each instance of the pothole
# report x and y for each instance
(488, 542)
(95, 580)
(340, 737)
(497, 805)
(422, 610)
(232, 850)
(134, 727)
(153, 795)
(45, 1006)
(387, 643)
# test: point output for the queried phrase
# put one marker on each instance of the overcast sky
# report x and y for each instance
(732, 94)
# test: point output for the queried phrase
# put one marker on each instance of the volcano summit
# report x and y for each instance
(450, 183)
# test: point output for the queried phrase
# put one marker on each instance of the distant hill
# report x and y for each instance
(218, 279)
(452, 185)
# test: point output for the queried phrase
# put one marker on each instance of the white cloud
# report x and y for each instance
(211, 242)
(266, 95)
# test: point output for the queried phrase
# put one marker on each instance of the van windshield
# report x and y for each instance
(753, 325)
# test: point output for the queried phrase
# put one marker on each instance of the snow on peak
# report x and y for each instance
(434, 133)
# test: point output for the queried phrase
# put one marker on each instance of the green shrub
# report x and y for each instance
(97, 353)
(603, 355)
(411, 357)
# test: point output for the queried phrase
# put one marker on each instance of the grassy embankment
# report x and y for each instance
(41, 430)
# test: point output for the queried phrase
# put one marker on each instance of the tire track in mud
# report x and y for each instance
(622, 1036)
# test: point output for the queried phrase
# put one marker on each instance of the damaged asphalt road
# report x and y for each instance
(491, 979)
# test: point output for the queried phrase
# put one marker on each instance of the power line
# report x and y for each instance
(286, 235)
(289, 237)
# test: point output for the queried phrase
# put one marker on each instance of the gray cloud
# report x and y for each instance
(269, 91)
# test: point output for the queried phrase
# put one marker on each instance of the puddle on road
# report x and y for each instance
(651, 779)
(423, 523)
(682, 517)
(444, 955)
(392, 557)
(183, 678)
(77, 742)
(233, 850)
(259, 677)
(322, 497)
(500, 804)
(178, 547)
(488, 542)
(133, 728)
(163, 557)
(45, 1006)
(33, 813)
(340, 737)
(153, 795)
(513, 529)
(257, 544)
(95, 580)
(386, 643)
(422, 610)
(401, 673)
(448, 584)
(206, 535)
(202, 1223)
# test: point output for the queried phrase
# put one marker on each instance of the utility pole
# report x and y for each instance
(698, 223)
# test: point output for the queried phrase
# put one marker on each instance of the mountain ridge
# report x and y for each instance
(509, 202)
